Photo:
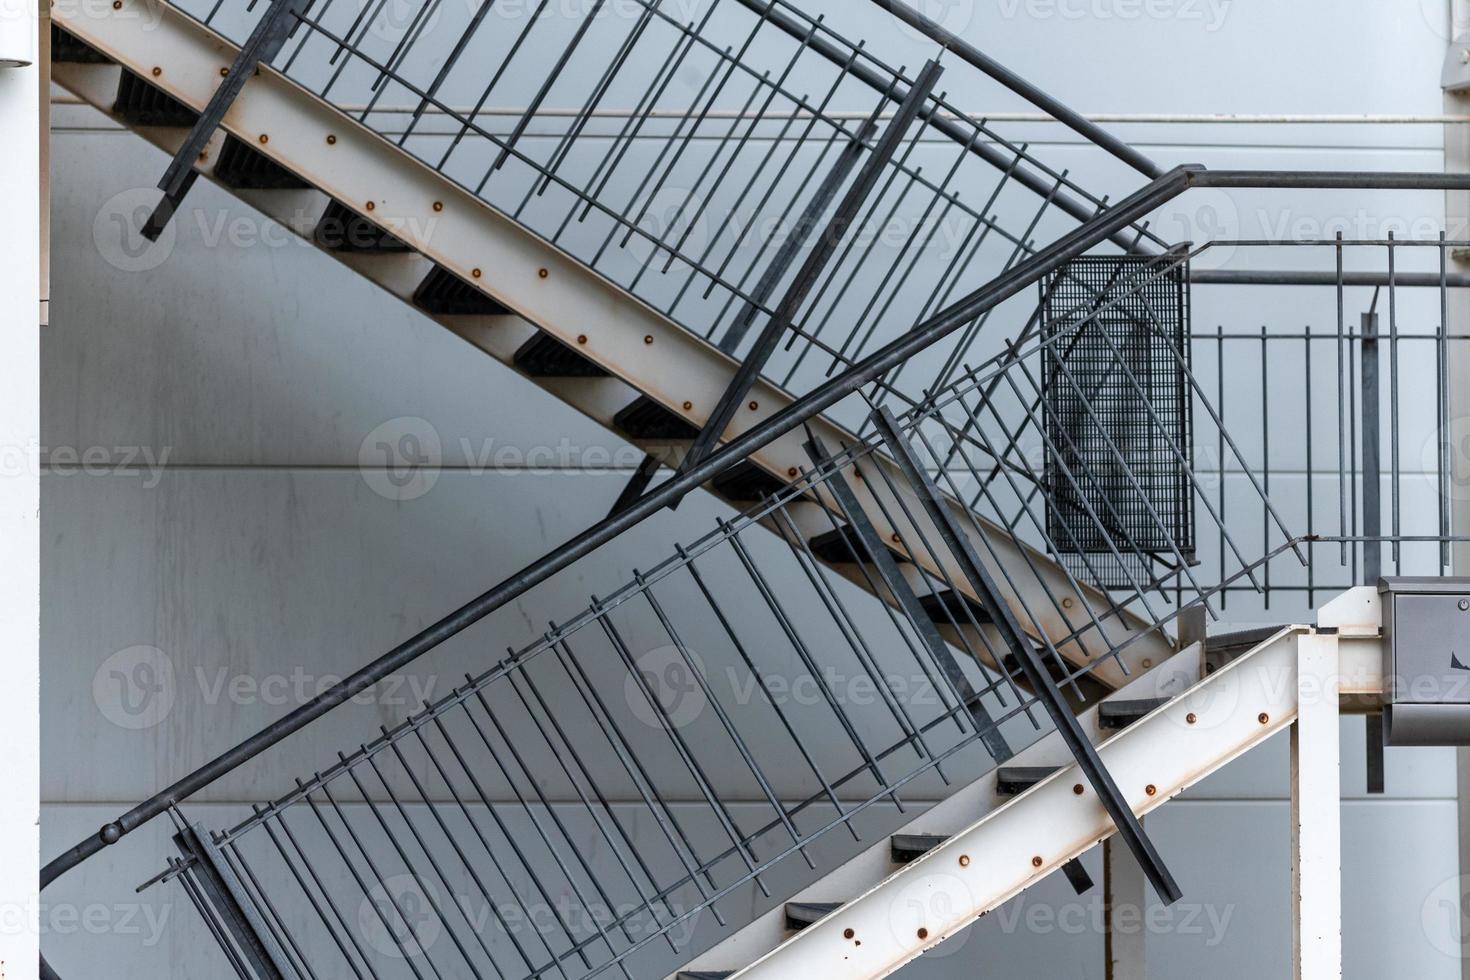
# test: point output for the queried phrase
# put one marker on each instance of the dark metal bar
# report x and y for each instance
(637, 484)
(1063, 114)
(1372, 489)
(812, 268)
(1006, 623)
(888, 571)
(797, 240)
(947, 321)
(227, 898)
(1373, 730)
(263, 44)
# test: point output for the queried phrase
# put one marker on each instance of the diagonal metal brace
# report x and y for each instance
(233, 909)
(811, 270)
(262, 45)
(1040, 679)
(908, 603)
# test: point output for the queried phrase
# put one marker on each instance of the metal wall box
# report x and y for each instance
(1426, 644)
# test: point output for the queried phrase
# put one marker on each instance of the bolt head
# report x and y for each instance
(1465, 605)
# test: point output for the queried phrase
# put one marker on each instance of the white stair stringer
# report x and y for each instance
(951, 816)
(1219, 718)
(549, 290)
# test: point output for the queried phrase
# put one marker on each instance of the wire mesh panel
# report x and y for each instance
(1118, 407)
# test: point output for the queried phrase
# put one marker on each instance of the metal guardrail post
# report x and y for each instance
(1040, 679)
(806, 279)
(265, 41)
(233, 909)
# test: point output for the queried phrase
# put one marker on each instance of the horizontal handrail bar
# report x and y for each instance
(1058, 110)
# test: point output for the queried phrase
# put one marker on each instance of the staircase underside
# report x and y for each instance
(497, 286)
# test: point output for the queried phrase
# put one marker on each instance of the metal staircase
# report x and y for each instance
(523, 299)
(1011, 519)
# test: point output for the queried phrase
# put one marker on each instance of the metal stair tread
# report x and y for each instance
(543, 356)
(799, 915)
(1117, 715)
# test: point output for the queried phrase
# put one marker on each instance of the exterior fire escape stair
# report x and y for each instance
(423, 239)
(1161, 734)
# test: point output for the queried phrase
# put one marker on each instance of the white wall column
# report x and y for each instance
(1316, 814)
(1457, 226)
(20, 298)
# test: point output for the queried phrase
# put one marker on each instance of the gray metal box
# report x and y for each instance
(1426, 643)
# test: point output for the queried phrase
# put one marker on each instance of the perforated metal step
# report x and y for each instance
(1015, 780)
(543, 356)
(143, 104)
(242, 165)
(907, 848)
(951, 608)
(799, 915)
(647, 419)
(843, 546)
(67, 49)
(747, 483)
(444, 293)
(343, 230)
(1118, 715)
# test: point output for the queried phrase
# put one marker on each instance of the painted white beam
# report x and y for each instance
(548, 288)
(20, 434)
(1013, 847)
(953, 815)
(1316, 813)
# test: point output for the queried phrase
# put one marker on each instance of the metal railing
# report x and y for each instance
(1047, 667)
(692, 152)
(518, 798)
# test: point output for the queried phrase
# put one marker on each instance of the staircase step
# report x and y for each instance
(69, 49)
(799, 915)
(1221, 651)
(445, 294)
(908, 848)
(543, 356)
(1093, 691)
(243, 166)
(747, 483)
(843, 546)
(1015, 780)
(342, 229)
(647, 419)
(953, 608)
(1117, 715)
(142, 104)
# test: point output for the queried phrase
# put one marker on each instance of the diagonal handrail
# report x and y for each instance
(1022, 276)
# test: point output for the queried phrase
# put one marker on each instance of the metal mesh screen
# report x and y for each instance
(1118, 418)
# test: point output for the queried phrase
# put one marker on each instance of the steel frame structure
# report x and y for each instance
(561, 294)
